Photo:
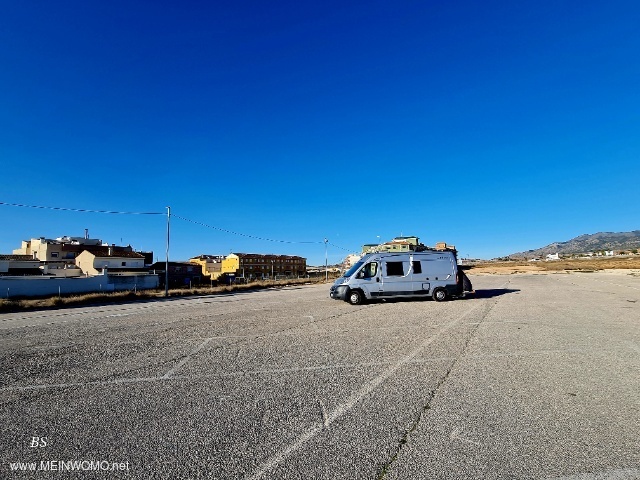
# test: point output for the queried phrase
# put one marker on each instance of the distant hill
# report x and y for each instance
(588, 243)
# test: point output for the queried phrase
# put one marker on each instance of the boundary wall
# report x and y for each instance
(42, 286)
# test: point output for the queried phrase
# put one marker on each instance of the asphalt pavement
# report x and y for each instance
(535, 376)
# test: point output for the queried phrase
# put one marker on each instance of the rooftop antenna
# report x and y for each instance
(86, 233)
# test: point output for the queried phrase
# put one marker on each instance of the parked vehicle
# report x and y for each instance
(400, 275)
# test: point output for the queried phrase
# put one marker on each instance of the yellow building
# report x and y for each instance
(211, 265)
(251, 265)
(231, 264)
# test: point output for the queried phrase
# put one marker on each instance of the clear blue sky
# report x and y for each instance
(494, 126)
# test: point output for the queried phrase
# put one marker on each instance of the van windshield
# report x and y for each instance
(353, 269)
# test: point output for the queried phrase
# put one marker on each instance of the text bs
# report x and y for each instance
(38, 442)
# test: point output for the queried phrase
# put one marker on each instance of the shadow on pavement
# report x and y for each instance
(493, 292)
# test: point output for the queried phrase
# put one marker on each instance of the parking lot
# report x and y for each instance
(536, 376)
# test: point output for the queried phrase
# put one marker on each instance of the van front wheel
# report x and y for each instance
(355, 297)
(439, 295)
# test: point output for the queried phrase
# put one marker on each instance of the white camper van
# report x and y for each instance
(395, 275)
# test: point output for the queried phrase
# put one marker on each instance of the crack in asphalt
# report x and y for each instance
(348, 404)
(425, 408)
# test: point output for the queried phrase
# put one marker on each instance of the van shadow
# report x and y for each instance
(494, 292)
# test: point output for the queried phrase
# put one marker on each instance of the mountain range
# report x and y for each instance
(588, 243)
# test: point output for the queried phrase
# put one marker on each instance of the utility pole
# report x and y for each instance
(326, 262)
(166, 267)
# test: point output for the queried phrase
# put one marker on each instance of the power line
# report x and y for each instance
(195, 222)
(256, 237)
(84, 210)
(243, 234)
(338, 246)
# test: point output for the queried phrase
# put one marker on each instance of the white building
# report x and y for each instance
(94, 263)
(350, 260)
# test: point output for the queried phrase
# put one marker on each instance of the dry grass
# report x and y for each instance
(578, 264)
(11, 305)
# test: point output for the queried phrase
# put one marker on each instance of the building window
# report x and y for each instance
(54, 254)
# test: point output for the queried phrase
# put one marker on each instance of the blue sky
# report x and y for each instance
(494, 126)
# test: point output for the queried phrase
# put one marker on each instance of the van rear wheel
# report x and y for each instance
(355, 297)
(439, 295)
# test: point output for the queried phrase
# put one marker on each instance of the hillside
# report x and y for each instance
(588, 243)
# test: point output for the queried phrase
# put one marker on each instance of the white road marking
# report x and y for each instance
(455, 435)
(187, 358)
(276, 371)
(325, 418)
(617, 474)
(351, 401)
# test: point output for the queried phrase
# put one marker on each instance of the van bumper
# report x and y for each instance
(339, 292)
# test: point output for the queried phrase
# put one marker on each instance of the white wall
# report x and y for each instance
(116, 262)
(39, 286)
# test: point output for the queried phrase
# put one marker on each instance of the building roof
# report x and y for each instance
(105, 254)
(24, 271)
(207, 257)
(160, 265)
(21, 258)
(70, 247)
(267, 255)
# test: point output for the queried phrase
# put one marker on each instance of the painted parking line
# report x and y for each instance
(311, 368)
(351, 401)
(614, 474)
(187, 358)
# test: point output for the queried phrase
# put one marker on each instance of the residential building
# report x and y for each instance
(256, 265)
(19, 265)
(93, 262)
(398, 244)
(211, 265)
(350, 260)
(180, 273)
(406, 244)
(60, 253)
(444, 246)
(59, 250)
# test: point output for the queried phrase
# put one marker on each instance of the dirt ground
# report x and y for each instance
(580, 265)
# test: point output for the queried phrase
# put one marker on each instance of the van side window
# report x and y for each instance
(417, 266)
(370, 270)
(395, 269)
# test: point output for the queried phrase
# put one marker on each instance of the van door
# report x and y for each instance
(369, 280)
(396, 278)
(420, 281)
